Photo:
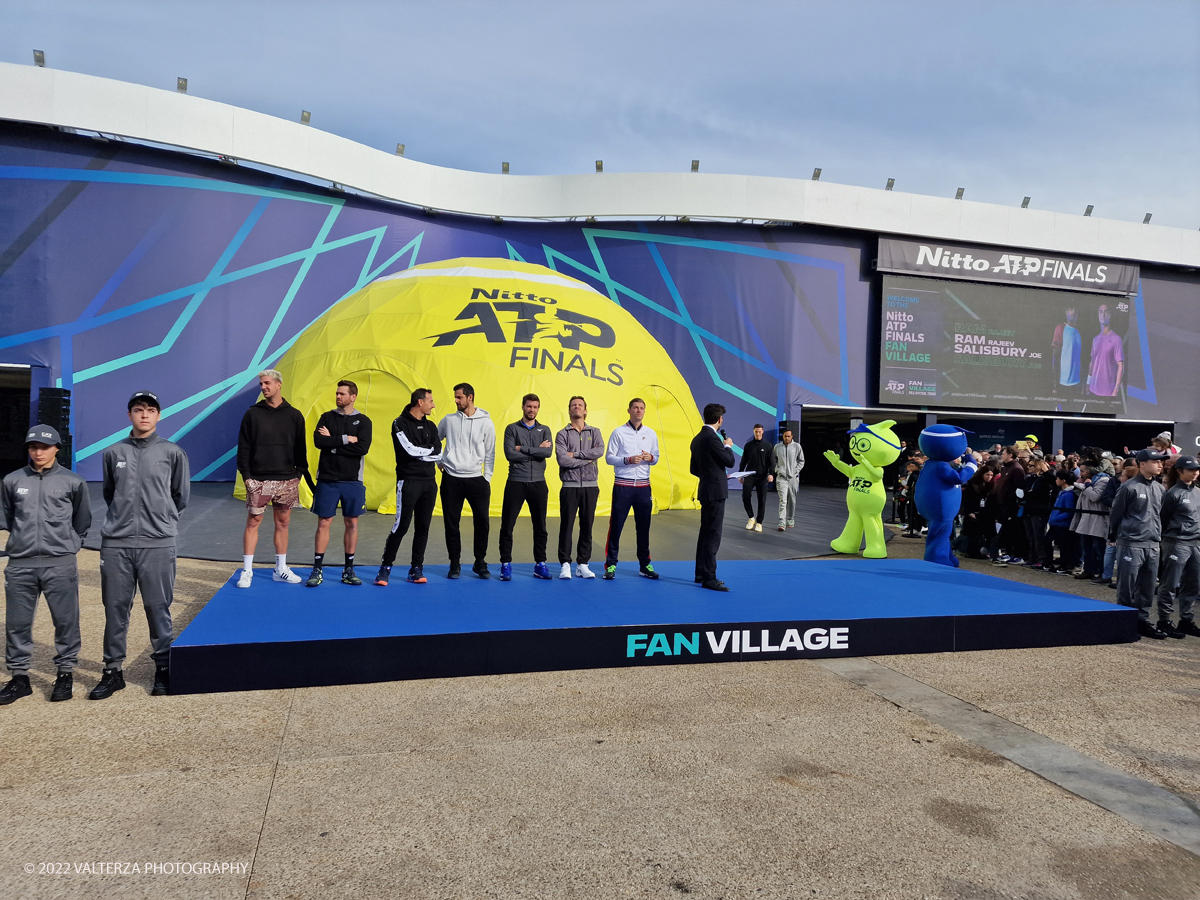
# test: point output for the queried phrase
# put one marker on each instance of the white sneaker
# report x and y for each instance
(758, 527)
(565, 572)
(244, 578)
(286, 575)
(750, 525)
(584, 572)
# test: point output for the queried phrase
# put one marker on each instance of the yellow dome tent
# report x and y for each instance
(508, 328)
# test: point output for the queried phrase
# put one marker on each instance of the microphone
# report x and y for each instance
(723, 435)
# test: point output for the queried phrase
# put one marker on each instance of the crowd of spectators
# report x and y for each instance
(1094, 514)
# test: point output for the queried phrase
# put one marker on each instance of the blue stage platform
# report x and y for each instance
(275, 635)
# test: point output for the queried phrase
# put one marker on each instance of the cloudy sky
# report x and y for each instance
(1070, 103)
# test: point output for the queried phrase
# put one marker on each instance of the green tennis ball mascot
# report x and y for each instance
(873, 447)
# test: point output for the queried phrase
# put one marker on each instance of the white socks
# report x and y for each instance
(248, 561)
(280, 562)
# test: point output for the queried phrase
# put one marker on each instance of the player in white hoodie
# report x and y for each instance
(467, 462)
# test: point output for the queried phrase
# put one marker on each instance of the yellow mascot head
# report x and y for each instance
(508, 329)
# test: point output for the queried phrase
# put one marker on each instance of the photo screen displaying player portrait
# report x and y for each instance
(959, 344)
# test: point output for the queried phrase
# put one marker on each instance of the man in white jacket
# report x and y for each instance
(632, 450)
(467, 462)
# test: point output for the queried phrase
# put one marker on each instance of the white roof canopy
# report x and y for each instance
(67, 99)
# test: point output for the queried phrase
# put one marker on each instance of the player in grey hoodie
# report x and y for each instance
(468, 458)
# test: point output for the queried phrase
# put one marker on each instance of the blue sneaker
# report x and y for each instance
(541, 570)
(506, 571)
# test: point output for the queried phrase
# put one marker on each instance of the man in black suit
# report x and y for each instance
(711, 456)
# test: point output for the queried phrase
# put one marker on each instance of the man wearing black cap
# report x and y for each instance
(46, 513)
(1180, 551)
(1136, 526)
(146, 486)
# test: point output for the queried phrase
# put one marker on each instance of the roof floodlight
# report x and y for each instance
(305, 117)
(181, 85)
(816, 175)
(1088, 211)
(39, 58)
(498, 220)
(503, 168)
(591, 220)
(399, 149)
(891, 184)
(1025, 203)
(684, 219)
(1146, 221)
(599, 165)
(958, 194)
(695, 165)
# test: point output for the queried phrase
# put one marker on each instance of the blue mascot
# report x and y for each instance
(938, 495)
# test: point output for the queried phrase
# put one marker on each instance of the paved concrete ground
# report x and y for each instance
(747, 780)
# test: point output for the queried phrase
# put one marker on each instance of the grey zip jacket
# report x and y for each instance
(1135, 520)
(1181, 514)
(587, 446)
(470, 444)
(526, 458)
(47, 516)
(787, 460)
(147, 484)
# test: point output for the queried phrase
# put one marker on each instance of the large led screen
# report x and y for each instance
(959, 344)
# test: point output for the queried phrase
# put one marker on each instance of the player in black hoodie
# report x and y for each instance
(272, 455)
(756, 458)
(418, 448)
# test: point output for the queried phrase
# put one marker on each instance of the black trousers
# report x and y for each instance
(516, 495)
(751, 485)
(625, 497)
(572, 500)
(477, 492)
(415, 498)
(712, 516)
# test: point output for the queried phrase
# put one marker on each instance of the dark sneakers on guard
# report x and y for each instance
(481, 569)
(111, 681)
(17, 688)
(610, 572)
(416, 575)
(1147, 629)
(384, 573)
(647, 571)
(64, 687)
(162, 682)
(1165, 626)
(455, 570)
(315, 578)
(348, 576)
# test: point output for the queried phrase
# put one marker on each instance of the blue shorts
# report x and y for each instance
(351, 494)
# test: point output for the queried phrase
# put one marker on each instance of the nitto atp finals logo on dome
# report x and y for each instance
(507, 328)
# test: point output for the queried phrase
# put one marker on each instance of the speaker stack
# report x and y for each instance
(54, 409)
